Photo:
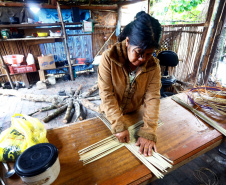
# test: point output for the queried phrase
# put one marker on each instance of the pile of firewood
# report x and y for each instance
(73, 105)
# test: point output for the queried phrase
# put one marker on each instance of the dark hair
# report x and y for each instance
(144, 31)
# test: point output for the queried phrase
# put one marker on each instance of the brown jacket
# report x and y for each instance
(119, 97)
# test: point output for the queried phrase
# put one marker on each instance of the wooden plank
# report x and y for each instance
(180, 137)
(31, 38)
(30, 25)
(93, 7)
(25, 80)
(184, 25)
(42, 75)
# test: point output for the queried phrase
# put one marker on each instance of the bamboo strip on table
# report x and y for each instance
(110, 144)
(203, 117)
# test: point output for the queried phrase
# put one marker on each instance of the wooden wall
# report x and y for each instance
(106, 25)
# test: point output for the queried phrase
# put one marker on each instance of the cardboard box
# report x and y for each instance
(46, 62)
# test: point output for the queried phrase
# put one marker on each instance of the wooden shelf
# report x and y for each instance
(64, 67)
(32, 38)
(40, 25)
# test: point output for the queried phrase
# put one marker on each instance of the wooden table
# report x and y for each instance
(181, 138)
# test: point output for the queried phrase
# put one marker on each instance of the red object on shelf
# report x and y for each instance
(81, 60)
(22, 69)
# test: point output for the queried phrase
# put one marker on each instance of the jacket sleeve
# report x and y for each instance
(151, 107)
(109, 103)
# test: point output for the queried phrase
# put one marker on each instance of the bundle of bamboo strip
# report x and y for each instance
(200, 115)
(156, 163)
(213, 98)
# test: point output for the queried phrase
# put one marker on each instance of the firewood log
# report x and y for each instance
(43, 109)
(93, 98)
(68, 112)
(77, 110)
(90, 91)
(77, 92)
(34, 97)
(71, 114)
(55, 114)
(89, 105)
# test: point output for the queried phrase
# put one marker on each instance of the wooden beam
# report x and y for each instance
(65, 41)
(148, 6)
(184, 25)
(212, 46)
(199, 53)
(130, 2)
(91, 7)
(7, 72)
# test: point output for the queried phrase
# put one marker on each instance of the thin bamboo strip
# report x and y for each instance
(203, 117)
(99, 150)
(155, 153)
(213, 99)
(108, 147)
(95, 144)
(101, 153)
(144, 161)
(105, 154)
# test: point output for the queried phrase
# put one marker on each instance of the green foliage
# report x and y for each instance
(178, 11)
(180, 6)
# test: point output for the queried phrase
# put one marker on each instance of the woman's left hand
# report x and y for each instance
(146, 146)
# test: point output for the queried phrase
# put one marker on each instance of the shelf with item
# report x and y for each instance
(40, 31)
(16, 64)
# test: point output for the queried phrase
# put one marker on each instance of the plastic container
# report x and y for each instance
(81, 60)
(38, 164)
(5, 33)
(51, 78)
(42, 34)
(13, 59)
(30, 59)
(22, 69)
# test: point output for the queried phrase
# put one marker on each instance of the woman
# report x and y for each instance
(129, 76)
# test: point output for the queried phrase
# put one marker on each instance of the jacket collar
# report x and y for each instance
(118, 53)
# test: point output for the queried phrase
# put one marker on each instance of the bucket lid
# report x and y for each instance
(36, 159)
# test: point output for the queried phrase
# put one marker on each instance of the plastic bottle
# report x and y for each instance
(30, 59)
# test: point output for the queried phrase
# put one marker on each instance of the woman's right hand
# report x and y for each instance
(123, 136)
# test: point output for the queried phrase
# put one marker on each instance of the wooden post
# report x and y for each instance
(7, 72)
(199, 53)
(148, 6)
(42, 75)
(25, 80)
(65, 41)
(217, 28)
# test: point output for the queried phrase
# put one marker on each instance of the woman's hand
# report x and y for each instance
(123, 136)
(146, 146)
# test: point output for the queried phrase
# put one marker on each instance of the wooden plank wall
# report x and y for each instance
(106, 25)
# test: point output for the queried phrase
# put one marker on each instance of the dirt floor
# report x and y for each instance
(9, 105)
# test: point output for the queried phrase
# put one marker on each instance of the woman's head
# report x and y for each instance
(144, 32)
(142, 37)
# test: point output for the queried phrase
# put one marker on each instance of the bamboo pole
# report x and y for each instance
(201, 46)
(105, 43)
(65, 41)
(218, 25)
